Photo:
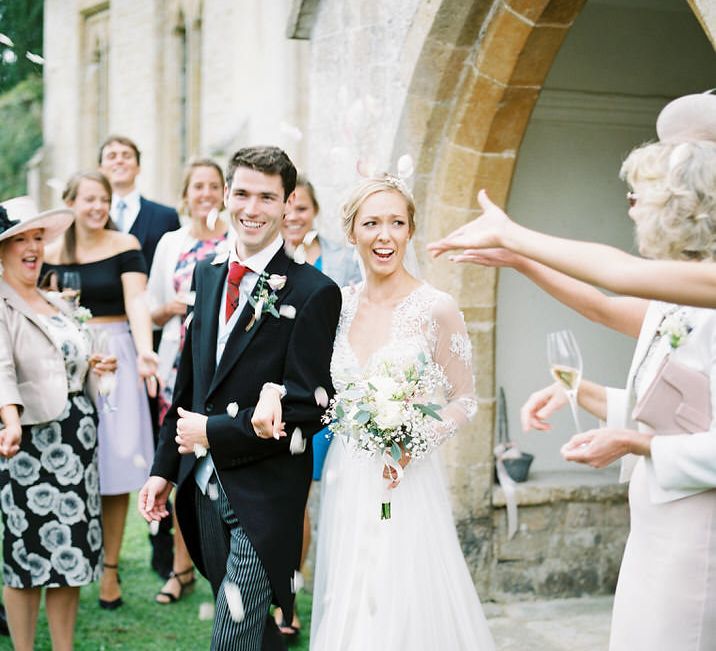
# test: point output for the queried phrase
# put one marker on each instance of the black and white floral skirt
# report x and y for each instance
(50, 502)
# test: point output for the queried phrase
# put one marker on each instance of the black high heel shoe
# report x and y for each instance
(115, 603)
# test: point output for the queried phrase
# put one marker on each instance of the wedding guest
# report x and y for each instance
(113, 279)
(340, 265)
(169, 293)
(665, 597)
(52, 536)
(148, 221)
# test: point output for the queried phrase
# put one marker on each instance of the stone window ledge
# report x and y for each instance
(549, 487)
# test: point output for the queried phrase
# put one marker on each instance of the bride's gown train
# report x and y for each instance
(403, 583)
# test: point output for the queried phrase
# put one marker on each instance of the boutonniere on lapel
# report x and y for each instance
(676, 327)
(81, 315)
(264, 297)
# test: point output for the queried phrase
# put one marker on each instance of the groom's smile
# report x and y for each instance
(256, 204)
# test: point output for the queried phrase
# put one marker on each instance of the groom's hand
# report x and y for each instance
(191, 430)
(152, 498)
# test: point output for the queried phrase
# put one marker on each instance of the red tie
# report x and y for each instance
(236, 273)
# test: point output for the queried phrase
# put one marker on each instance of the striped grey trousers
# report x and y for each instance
(229, 557)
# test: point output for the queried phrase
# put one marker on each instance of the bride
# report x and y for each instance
(402, 582)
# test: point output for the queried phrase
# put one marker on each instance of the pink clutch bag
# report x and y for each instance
(678, 400)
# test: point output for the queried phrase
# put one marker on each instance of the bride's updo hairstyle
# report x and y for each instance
(675, 186)
(384, 183)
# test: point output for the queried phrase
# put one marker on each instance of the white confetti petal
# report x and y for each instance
(406, 168)
(367, 168)
(298, 443)
(206, 611)
(211, 218)
(56, 184)
(329, 476)
(287, 311)
(291, 131)
(188, 320)
(232, 409)
(309, 237)
(188, 298)
(321, 396)
(8, 56)
(212, 490)
(199, 450)
(139, 461)
(35, 58)
(297, 582)
(234, 601)
(154, 527)
(258, 308)
(299, 254)
(6, 40)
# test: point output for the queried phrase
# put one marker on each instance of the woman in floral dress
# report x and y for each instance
(49, 483)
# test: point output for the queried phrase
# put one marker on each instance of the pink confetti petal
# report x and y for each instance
(299, 254)
(206, 611)
(211, 218)
(35, 58)
(232, 409)
(321, 396)
(154, 527)
(8, 56)
(6, 40)
(406, 168)
(234, 601)
(139, 461)
(287, 311)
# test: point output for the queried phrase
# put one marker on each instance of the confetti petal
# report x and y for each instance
(406, 168)
(206, 611)
(287, 311)
(211, 218)
(188, 320)
(309, 237)
(6, 40)
(232, 409)
(212, 490)
(291, 131)
(297, 582)
(321, 396)
(56, 184)
(199, 450)
(8, 56)
(367, 167)
(258, 309)
(35, 58)
(139, 461)
(329, 476)
(299, 254)
(298, 443)
(234, 601)
(154, 527)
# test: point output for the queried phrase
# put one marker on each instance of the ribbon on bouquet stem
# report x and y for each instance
(399, 472)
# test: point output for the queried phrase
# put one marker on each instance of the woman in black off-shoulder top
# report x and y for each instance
(113, 279)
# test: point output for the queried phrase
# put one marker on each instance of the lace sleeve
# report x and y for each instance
(452, 351)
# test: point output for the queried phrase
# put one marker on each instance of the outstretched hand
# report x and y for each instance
(600, 447)
(487, 231)
(497, 257)
(540, 406)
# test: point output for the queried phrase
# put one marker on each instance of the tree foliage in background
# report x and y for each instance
(20, 133)
(21, 21)
(20, 92)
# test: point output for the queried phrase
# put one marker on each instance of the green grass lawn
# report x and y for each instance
(141, 624)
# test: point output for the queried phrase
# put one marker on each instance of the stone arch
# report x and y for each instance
(476, 74)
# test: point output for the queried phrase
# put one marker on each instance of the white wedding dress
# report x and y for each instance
(402, 583)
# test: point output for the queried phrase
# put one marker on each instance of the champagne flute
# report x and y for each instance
(71, 287)
(107, 381)
(565, 365)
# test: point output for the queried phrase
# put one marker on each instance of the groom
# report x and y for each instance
(241, 506)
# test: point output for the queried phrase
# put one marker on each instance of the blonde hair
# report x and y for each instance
(369, 186)
(186, 179)
(677, 190)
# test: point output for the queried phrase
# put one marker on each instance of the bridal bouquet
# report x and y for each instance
(386, 413)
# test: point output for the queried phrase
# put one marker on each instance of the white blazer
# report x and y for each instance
(682, 464)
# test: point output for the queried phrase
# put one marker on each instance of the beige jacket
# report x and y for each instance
(32, 369)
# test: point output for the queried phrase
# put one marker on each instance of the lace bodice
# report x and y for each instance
(427, 321)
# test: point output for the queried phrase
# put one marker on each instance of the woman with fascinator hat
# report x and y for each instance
(49, 490)
(389, 569)
(666, 593)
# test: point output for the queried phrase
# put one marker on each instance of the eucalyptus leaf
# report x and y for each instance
(396, 452)
(362, 417)
(428, 410)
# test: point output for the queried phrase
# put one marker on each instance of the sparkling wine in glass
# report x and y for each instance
(71, 287)
(565, 365)
(107, 381)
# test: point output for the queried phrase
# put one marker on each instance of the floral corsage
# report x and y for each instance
(264, 298)
(676, 328)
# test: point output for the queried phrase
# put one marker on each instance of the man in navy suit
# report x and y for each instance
(147, 220)
(119, 159)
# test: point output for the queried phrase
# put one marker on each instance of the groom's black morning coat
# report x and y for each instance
(266, 485)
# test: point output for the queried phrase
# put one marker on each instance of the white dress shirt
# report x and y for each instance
(130, 212)
(257, 264)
